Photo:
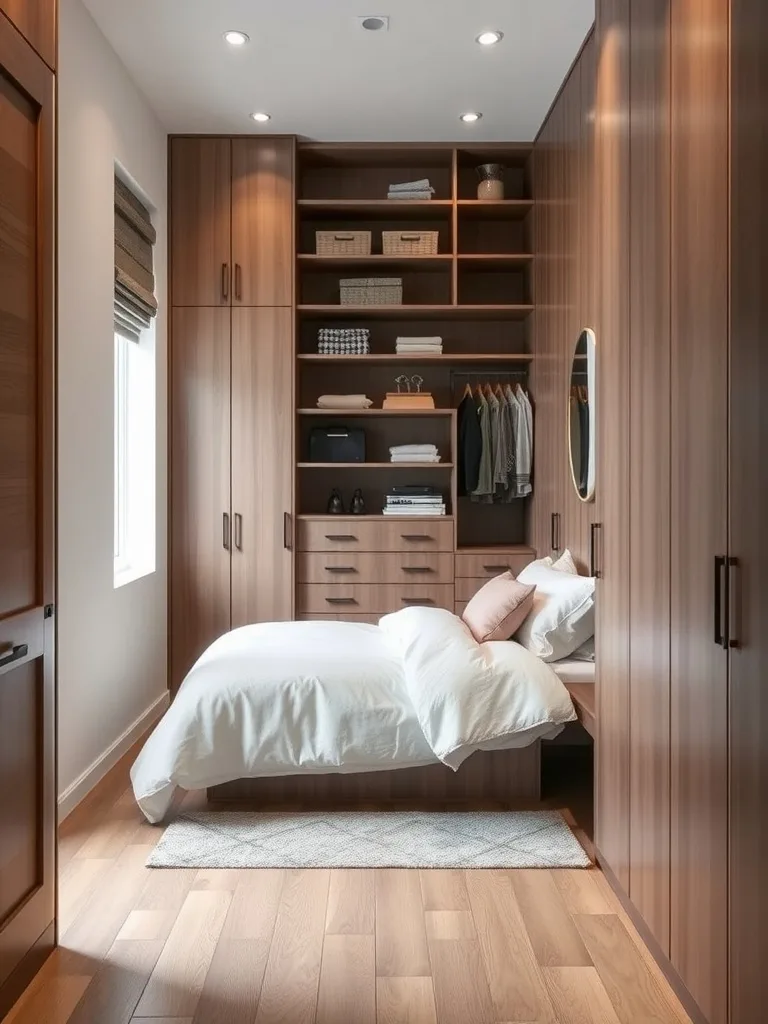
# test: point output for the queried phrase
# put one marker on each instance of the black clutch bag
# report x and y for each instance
(337, 444)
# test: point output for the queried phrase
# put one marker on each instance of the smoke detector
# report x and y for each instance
(374, 22)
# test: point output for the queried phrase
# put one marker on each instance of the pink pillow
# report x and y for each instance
(499, 608)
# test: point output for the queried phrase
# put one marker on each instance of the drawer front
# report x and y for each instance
(459, 607)
(490, 564)
(374, 567)
(344, 533)
(370, 620)
(357, 598)
(466, 588)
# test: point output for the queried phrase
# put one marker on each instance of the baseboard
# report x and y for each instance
(664, 963)
(95, 772)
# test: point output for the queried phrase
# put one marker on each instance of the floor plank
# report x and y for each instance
(578, 996)
(449, 924)
(554, 937)
(631, 988)
(289, 992)
(114, 993)
(348, 980)
(516, 984)
(176, 982)
(581, 892)
(444, 890)
(405, 1001)
(351, 903)
(76, 882)
(401, 938)
(54, 992)
(462, 995)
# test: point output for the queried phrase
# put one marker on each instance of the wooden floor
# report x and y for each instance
(332, 947)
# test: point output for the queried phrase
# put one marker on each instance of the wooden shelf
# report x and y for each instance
(498, 209)
(499, 312)
(398, 208)
(497, 261)
(438, 261)
(375, 412)
(463, 357)
(319, 517)
(375, 465)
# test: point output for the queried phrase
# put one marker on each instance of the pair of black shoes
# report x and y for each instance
(336, 505)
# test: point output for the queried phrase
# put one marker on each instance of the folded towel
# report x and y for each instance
(419, 341)
(344, 402)
(406, 449)
(422, 185)
(414, 458)
(418, 348)
(409, 195)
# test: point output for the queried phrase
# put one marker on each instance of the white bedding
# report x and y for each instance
(306, 697)
(569, 670)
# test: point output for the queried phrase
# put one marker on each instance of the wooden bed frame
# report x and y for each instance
(509, 777)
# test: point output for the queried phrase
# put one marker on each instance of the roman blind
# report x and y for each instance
(135, 302)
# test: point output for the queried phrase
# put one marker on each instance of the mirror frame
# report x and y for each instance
(592, 388)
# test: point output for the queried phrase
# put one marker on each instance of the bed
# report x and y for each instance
(319, 711)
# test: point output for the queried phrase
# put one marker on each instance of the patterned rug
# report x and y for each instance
(369, 839)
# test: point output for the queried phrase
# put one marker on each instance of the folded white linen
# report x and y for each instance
(414, 458)
(344, 402)
(422, 185)
(406, 449)
(409, 195)
(419, 350)
(419, 341)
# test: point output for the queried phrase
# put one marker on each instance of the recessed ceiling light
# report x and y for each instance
(374, 22)
(261, 117)
(489, 38)
(236, 38)
(470, 117)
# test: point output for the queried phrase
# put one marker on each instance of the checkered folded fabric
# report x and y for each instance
(343, 341)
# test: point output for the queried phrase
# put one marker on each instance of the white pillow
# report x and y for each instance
(565, 563)
(586, 652)
(563, 613)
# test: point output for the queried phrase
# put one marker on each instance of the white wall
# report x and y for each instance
(111, 643)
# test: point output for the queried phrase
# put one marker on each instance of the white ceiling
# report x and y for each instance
(320, 75)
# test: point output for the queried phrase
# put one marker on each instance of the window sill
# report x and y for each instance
(131, 573)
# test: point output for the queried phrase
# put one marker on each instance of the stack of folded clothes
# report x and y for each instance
(419, 346)
(420, 189)
(343, 341)
(414, 453)
(344, 402)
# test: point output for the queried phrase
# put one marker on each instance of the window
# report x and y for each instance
(135, 308)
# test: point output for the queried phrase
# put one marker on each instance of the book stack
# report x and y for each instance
(414, 500)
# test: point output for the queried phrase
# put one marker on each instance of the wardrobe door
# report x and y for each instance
(612, 601)
(200, 195)
(36, 20)
(27, 515)
(200, 530)
(649, 458)
(748, 514)
(262, 222)
(262, 465)
(699, 499)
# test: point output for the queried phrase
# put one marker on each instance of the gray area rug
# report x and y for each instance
(369, 839)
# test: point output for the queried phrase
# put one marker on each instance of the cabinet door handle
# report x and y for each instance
(417, 600)
(414, 569)
(340, 600)
(730, 639)
(720, 562)
(341, 570)
(553, 531)
(287, 531)
(15, 654)
(497, 568)
(238, 282)
(225, 539)
(225, 280)
(415, 536)
(593, 567)
(340, 536)
(238, 531)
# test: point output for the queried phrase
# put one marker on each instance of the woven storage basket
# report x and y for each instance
(343, 243)
(372, 291)
(409, 243)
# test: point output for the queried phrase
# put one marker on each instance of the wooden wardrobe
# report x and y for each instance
(231, 386)
(679, 257)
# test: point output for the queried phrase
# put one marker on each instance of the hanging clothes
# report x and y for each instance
(511, 402)
(470, 444)
(484, 490)
(524, 444)
(501, 463)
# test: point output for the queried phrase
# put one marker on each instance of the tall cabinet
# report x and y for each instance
(232, 359)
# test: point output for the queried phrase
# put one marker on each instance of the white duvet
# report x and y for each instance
(304, 697)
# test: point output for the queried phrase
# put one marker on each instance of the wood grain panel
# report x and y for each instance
(200, 216)
(462, 995)
(612, 626)
(699, 494)
(262, 436)
(552, 933)
(342, 533)
(649, 299)
(363, 597)
(444, 890)
(487, 564)
(401, 938)
(374, 567)
(200, 461)
(405, 1001)
(748, 711)
(347, 980)
(262, 222)
(579, 996)
(36, 20)
(351, 903)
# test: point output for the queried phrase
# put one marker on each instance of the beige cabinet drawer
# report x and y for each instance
(374, 567)
(371, 619)
(487, 564)
(466, 588)
(357, 598)
(353, 533)
(459, 607)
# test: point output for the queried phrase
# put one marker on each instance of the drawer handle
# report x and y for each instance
(340, 536)
(415, 536)
(416, 568)
(348, 237)
(15, 654)
(417, 600)
(497, 568)
(412, 236)
(340, 600)
(340, 568)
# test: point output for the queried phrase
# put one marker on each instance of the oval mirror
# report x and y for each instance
(581, 416)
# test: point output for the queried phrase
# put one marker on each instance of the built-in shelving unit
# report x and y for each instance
(475, 292)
